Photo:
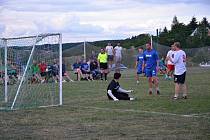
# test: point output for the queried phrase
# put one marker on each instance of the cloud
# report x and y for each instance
(64, 5)
(67, 24)
(94, 19)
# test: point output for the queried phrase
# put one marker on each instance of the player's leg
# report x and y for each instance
(122, 96)
(106, 71)
(148, 73)
(139, 71)
(155, 80)
(184, 90)
(177, 91)
(137, 78)
(177, 86)
(183, 85)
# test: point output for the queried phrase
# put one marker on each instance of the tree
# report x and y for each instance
(204, 22)
(193, 24)
(165, 30)
(174, 22)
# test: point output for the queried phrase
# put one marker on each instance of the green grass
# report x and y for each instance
(88, 114)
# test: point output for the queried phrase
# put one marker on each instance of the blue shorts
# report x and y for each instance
(152, 72)
(139, 70)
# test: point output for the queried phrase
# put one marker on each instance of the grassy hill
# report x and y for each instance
(72, 51)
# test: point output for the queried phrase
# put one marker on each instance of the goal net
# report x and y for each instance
(30, 69)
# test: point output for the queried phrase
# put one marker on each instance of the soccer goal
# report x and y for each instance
(30, 69)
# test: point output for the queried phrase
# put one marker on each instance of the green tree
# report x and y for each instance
(175, 22)
(193, 24)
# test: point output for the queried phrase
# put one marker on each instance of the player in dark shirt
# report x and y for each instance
(115, 92)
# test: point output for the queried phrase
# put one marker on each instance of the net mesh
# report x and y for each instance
(30, 72)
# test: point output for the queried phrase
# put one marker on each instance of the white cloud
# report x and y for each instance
(94, 19)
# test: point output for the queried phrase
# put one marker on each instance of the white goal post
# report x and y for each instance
(31, 71)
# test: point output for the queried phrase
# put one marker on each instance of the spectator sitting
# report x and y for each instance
(35, 73)
(55, 71)
(162, 66)
(43, 67)
(85, 68)
(65, 74)
(76, 68)
(94, 69)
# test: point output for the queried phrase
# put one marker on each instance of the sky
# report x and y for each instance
(91, 20)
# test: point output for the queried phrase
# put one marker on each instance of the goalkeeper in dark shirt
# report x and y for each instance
(115, 92)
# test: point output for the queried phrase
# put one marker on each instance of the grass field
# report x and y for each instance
(87, 114)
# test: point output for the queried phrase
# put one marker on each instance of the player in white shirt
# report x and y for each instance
(110, 53)
(170, 65)
(118, 57)
(179, 61)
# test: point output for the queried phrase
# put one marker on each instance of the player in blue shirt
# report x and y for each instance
(139, 63)
(150, 65)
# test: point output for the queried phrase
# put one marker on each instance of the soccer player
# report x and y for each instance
(115, 92)
(150, 65)
(179, 60)
(170, 65)
(43, 67)
(139, 63)
(110, 53)
(118, 57)
(102, 61)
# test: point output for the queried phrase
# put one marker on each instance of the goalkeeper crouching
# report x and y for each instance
(115, 92)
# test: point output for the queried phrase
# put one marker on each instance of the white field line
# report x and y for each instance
(149, 112)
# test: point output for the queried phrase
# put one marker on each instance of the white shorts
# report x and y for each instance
(118, 58)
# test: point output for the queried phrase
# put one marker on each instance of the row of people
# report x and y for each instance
(42, 72)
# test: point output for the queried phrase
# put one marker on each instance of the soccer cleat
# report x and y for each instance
(131, 99)
(42, 81)
(158, 92)
(175, 98)
(184, 97)
(150, 92)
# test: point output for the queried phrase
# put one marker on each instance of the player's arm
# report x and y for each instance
(144, 63)
(123, 90)
(167, 57)
(98, 60)
(112, 96)
(106, 49)
(136, 63)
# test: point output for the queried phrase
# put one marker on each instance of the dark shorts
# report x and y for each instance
(103, 66)
(85, 72)
(139, 70)
(55, 73)
(43, 74)
(119, 96)
(180, 79)
(110, 57)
